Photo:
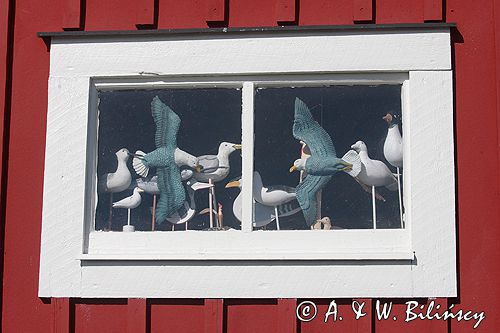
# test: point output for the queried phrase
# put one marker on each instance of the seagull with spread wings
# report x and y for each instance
(323, 162)
(166, 158)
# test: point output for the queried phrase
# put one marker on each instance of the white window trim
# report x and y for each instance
(383, 261)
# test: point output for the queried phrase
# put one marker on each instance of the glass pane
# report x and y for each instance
(210, 124)
(348, 114)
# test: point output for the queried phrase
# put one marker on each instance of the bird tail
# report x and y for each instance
(352, 157)
(138, 164)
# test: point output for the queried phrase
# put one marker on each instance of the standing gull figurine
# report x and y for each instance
(321, 165)
(129, 203)
(214, 169)
(273, 196)
(117, 181)
(374, 173)
(393, 152)
(263, 215)
(166, 158)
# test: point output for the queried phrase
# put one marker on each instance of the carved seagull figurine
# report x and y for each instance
(273, 196)
(393, 145)
(166, 158)
(216, 167)
(323, 162)
(263, 215)
(120, 179)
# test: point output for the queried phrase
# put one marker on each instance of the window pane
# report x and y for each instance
(208, 117)
(348, 114)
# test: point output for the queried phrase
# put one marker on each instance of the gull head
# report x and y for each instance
(298, 165)
(359, 146)
(122, 154)
(138, 190)
(392, 119)
(226, 148)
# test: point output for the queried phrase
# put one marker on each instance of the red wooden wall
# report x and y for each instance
(24, 65)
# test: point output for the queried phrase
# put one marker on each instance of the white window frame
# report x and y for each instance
(77, 261)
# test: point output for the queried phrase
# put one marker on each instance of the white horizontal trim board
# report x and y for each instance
(246, 54)
(418, 261)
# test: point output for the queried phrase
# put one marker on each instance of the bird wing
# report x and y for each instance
(307, 129)
(306, 195)
(167, 124)
(172, 193)
(283, 188)
(210, 163)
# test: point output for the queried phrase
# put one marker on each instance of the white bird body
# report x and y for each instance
(373, 172)
(393, 146)
(130, 202)
(119, 180)
(272, 195)
(263, 215)
(216, 167)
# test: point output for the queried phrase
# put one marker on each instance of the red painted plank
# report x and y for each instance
(324, 12)
(61, 308)
(287, 319)
(118, 14)
(136, 315)
(177, 315)
(214, 316)
(174, 14)
(71, 14)
(433, 10)
(396, 321)
(244, 13)
(22, 310)
(100, 315)
(476, 140)
(251, 316)
(216, 10)
(332, 316)
(399, 11)
(362, 10)
(286, 11)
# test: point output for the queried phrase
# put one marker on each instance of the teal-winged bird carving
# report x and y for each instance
(323, 162)
(166, 158)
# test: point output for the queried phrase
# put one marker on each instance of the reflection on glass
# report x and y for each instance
(334, 137)
(164, 157)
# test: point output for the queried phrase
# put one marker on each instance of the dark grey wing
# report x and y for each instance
(307, 129)
(306, 196)
(167, 124)
(210, 163)
(284, 188)
(172, 193)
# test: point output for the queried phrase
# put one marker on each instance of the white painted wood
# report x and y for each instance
(224, 245)
(351, 263)
(251, 54)
(247, 141)
(431, 210)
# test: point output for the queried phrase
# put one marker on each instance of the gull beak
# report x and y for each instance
(237, 147)
(292, 169)
(348, 166)
(235, 183)
(198, 168)
(140, 190)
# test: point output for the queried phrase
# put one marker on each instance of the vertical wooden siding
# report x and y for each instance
(477, 94)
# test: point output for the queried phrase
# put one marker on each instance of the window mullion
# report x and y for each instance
(247, 141)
